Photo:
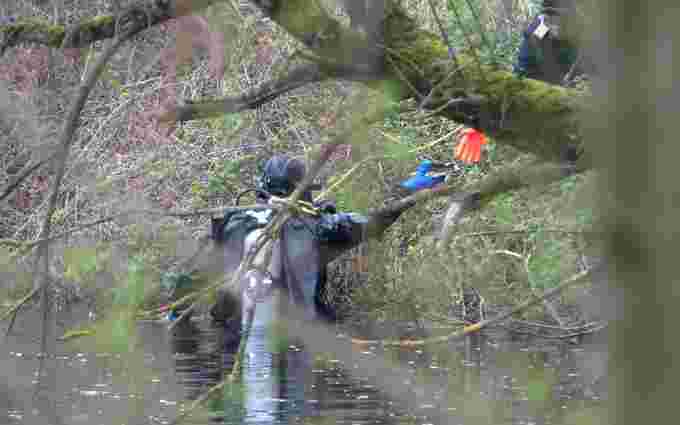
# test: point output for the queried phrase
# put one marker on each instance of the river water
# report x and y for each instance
(495, 378)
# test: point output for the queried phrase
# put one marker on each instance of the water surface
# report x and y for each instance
(495, 378)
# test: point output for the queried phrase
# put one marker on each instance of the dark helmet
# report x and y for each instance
(559, 7)
(281, 174)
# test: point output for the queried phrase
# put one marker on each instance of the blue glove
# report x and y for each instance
(172, 316)
(421, 180)
(338, 227)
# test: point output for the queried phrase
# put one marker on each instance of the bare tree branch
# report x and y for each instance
(41, 266)
(269, 91)
(23, 174)
(467, 330)
(131, 20)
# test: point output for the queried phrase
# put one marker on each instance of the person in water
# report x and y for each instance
(297, 268)
(548, 52)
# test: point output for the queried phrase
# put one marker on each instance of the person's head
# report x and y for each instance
(281, 175)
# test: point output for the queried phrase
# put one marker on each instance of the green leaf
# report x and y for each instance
(80, 264)
(399, 151)
(537, 389)
(232, 121)
(232, 168)
(504, 210)
(216, 185)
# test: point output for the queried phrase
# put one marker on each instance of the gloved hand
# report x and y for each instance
(338, 227)
(421, 180)
(469, 148)
(326, 207)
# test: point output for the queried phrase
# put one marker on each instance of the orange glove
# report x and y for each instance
(469, 148)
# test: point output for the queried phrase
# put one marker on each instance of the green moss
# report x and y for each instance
(55, 33)
(98, 25)
(300, 17)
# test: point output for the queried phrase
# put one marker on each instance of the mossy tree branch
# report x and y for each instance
(468, 198)
(530, 115)
(138, 16)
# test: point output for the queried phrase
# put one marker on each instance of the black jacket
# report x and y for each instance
(306, 245)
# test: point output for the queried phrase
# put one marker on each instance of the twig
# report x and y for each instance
(405, 80)
(559, 328)
(351, 171)
(445, 35)
(70, 125)
(236, 367)
(437, 86)
(198, 402)
(473, 50)
(27, 171)
(235, 279)
(567, 77)
(549, 306)
(479, 24)
(582, 330)
(510, 253)
(23, 246)
(470, 100)
(19, 304)
(482, 324)
(510, 232)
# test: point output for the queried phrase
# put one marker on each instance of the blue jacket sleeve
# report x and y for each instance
(522, 63)
(524, 56)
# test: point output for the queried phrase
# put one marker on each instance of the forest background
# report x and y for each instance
(93, 188)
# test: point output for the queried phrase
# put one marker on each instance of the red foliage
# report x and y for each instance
(264, 50)
(22, 199)
(327, 119)
(341, 152)
(191, 32)
(29, 69)
(168, 199)
(72, 55)
(39, 183)
(144, 127)
(136, 183)
(121, 151)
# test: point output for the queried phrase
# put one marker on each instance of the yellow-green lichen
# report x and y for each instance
(97, 22)
(55, 33)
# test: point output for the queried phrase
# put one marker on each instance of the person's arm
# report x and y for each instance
(525, 57)
(341, 232)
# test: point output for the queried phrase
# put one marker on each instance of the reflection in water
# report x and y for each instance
(491, 379)
(522, 384)
(279, 384)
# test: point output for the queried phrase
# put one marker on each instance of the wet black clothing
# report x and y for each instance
(298, 264)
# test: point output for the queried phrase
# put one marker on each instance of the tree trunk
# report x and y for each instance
(637, 126)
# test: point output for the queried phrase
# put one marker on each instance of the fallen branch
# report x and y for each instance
(14, 308)
(576, 331)
(467, 330)
(23, 174)
(549, 306)
(131, 20)
(269, 91)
